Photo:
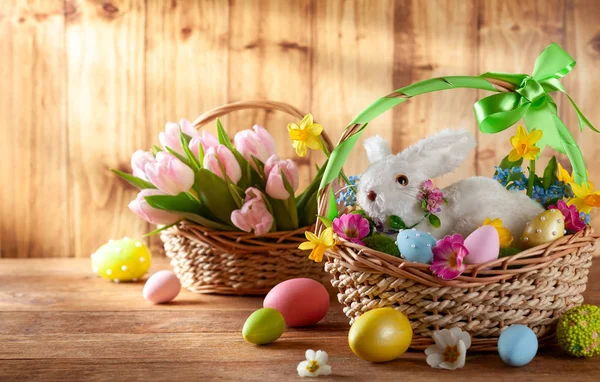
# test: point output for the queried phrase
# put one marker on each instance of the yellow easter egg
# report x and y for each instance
(380, 335)
(544, 228)
(122, 260)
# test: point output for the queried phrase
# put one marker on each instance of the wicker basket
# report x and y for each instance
(532, 288)
(225, 262)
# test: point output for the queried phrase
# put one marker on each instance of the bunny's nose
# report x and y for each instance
(372, 195)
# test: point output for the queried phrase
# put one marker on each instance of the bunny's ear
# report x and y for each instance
(441, 153)
(377, 148)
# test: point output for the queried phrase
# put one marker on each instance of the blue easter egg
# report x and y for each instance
(517, 345)
(416, 246)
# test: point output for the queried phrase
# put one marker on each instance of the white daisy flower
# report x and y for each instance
(450, 349)
(315, 364)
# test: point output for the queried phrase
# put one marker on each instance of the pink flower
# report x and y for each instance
(170, 137)
(275, 185)
(206, 139)
(169, 174)
(138, 163)
(433, 197)
(573, 222)
(219, 158)
(448, 256)
(352, 227)
(150, 214)
(258, 143)
(254, 215)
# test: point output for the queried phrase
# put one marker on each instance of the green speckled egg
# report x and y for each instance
(578, 331)
(122, 260)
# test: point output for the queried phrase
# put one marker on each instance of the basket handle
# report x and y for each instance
(219, 111)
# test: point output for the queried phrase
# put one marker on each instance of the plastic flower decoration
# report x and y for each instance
(573, 221)
(352, 227)
(318, 244)
(585, 197)
(448, 256)
(450, 349)
(506, 238)
(315, 364)
(524, 145)
(433, 198)
(305, 135)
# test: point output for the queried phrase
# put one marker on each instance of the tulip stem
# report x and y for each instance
(531, 178)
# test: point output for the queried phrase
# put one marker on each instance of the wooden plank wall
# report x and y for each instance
(85, 83)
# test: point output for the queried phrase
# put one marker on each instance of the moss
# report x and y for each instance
(578, 331)
(510, 251)
(383, 244)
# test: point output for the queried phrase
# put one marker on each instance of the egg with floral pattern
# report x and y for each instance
(416, 246)
(544, 228)
(122, 260)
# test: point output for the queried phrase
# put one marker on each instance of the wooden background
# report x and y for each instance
(85, 83)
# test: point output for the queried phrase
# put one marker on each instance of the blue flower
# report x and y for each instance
(501, 175)
(348, 197)
(585, 217)
(539, 194)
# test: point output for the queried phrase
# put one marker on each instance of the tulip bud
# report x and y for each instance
(150, 214)
(254, 215)
(206, 139)
(169, 174)
(138, 163)
(275, 184)
(170, 137)
(254, 143)
(219, 158)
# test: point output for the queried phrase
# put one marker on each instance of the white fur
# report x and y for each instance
(470, 201)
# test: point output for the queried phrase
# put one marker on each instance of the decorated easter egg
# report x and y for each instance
(301, 301)
(578, 331)
(517, 345)
(483, 245)
(122, 260)
(263, 326)
(544, 228)
(161, 287)
(380, 335)
(416, 246)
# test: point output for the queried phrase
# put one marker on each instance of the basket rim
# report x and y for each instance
(363, 259)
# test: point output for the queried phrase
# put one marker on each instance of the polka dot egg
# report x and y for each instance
(544, 228)
(578, 331)
(122, 260)
(416, 246)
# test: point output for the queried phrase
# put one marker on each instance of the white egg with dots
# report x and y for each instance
(122, 260)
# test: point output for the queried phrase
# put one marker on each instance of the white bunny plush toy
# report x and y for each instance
(392, 182)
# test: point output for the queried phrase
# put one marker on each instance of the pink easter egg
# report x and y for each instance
(301, 301)
(161, 287)
(483, 245)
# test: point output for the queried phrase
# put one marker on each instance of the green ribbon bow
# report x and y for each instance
(530, 100)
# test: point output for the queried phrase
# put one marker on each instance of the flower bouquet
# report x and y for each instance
(480, 254)
(228, 210)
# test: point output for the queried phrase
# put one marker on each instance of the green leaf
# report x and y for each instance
(326, 222)
(310, 190)
(200, 154)
(281, 215)
(308, 214)
(190, 156)
(550, 173)
(174, 203)
(156, 150)
(133, 180)
(506, 164)
(396, 222)
(260, 166)
(223, 137)
(434, 221)
(207, 222)
(179, 156)
(291, 202)
(158, 230)
(237, 194)
(214, 193)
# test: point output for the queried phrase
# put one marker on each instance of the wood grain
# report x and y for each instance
(69, 322)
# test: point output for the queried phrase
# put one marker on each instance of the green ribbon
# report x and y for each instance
(531, 101)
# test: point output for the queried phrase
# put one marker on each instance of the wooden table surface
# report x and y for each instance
(60, 322)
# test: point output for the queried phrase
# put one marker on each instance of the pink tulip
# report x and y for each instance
(206, 139)
(220, 157)
(138, 163)
(275, 185)
(150, 214)
(254, 215)
(169, 174)
(170, 137)
(258, 143)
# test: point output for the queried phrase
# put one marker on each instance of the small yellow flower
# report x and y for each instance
(585, 197)
(318, 244)
(506, 238)
(524, 144)
(307, 134)
(564, 176)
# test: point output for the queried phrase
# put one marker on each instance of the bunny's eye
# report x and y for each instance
(402, 180)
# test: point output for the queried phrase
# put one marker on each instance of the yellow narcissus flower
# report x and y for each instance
(318, 244)
(524, 144)
(506, 238)
(585, 197)
(305, 135)
(564, 176)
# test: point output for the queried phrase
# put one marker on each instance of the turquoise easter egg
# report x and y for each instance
(517, 345)
(416, 246)
(122, 260)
